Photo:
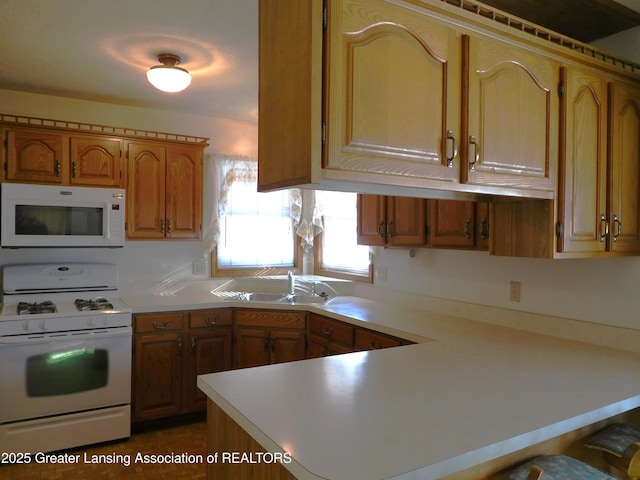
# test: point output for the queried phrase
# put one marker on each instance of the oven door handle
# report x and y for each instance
(66, 336)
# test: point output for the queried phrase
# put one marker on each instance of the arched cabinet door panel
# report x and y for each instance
(393, 96)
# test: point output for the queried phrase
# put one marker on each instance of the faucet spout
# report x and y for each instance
(292, 283)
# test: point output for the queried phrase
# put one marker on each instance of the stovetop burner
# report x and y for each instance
(29, 308)
(99, 303)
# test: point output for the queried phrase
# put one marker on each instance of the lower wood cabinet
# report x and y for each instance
(328, 337)
(170, 350)
(264, 337)
(370, 340)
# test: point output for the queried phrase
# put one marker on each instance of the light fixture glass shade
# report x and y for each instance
(167, 77)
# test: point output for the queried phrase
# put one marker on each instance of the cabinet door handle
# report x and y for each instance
(273, 345)
(193, 345)
(484, 229)
(266, 344)
(58, 168)
(604, 228)
(210, 322)
(179, 346)
(454, 148)
(381, 229)
(74, 170)
(327, 331)
(169, 229)
(157, 326)
(476, 152)
(467, 229)
(618, 224)
(375, 347)
(390, 229)
(162, 225)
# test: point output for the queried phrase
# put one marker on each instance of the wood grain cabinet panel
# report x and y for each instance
(96, 161)
(35, 156)
(170, 350)
(511, 135)
(164, 191)
(391, 221)
(391, 101)
(328, 337)
(624, 158)
(458, 224)
(264, 337)
(598, 206)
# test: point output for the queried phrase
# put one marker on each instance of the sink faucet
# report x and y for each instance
(292, 283)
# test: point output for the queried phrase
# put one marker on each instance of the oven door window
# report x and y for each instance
(68, 371)
(58, 220)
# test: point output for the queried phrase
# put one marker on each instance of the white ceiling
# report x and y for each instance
(101, 49)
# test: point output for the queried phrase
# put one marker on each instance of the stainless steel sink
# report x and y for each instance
(305, 299)
(259, 297)
(300, 299)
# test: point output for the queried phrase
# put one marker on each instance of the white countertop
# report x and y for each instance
(469, 393)
(474, 393)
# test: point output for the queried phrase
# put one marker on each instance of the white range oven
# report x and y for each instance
(65, 357)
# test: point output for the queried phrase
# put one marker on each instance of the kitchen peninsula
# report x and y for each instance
(468, 394)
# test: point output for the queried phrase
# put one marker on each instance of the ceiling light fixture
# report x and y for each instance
(168, 77)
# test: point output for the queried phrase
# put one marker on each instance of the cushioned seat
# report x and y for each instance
(556, 467)
(620, 443)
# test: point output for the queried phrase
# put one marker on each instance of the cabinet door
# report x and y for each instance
(145, 190)
(451, 224)
(287, 345)
(393, 93)
(369, 340)
(184, 192)
(482, 224)
(209, 352)
(406, 222)
(34, 156)
(583, 194)
(157, 375)
(371, 219)
(512, 108)
(624, 118)
(253, 347)
(96, 161)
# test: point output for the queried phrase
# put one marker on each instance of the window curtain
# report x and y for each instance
(224, 170)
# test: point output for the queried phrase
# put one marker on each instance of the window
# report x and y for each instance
(255, 229)
(337, 251)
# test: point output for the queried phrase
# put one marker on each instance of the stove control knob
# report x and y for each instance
(43, 325)
(91, 322)
(27, 326)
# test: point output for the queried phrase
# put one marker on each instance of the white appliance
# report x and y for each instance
(56, 216)
(65, 357)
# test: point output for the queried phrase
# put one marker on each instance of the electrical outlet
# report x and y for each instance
(514, 291)
(199, 267)
(380, 274)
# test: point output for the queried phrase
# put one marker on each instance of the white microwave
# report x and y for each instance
(55, 216)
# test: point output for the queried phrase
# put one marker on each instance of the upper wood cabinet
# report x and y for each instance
(164, 191)
(393, 98)
(406, 100)
(36, 156)
(458, 224)
(598, 206)
(582, 200)
(96, 161)
(510, 139)
(391, 221)
(624, 168)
